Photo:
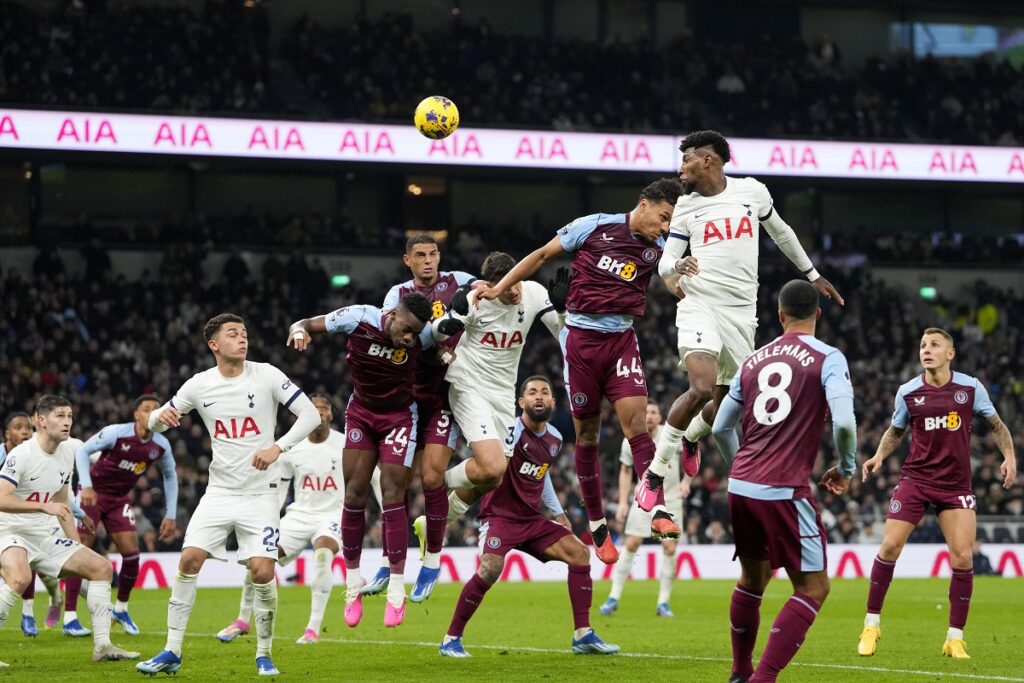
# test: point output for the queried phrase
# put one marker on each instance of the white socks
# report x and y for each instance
(98, 598)
(955, 634)
(456, 506)
(69, 616)
(581, 632)
(264, 613)
(666, 576)
(321, 587)
(353, 584)
(432, 560)
(121, 606)
(668, 448)
(596, 524)
(396, 589)
(697, 429)
(873, 620)
(248, 595)
(456, 477)
(26, 607)
(8, 599)
(179, 608)
(621, 572)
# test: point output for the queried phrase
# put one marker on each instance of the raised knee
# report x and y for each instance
(492, 472)
(490, 570)
(432, 479)
(262, 573)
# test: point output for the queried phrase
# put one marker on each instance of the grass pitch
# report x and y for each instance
(523, 633)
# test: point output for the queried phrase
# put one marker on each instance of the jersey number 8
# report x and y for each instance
(769, 391)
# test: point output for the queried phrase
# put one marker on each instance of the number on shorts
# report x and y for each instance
(399, 435)
(968, 502)
(510, 437)
(446, 419)
(273, 535)
(128, 513)
(67, 542)
(622, 371)
(768, 391)
(335, 528)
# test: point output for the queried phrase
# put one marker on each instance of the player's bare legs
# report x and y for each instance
(92, 566)
(959, 527)
(487, 465)
(358, 466)
(894, 537)
(691, 415)
(433, 465)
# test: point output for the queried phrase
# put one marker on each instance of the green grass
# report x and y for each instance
(522, 633)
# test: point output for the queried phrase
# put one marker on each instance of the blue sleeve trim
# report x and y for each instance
(4, 476)
(679, 237)
(294, 396)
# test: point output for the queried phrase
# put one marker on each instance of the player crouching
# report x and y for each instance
(510, 520)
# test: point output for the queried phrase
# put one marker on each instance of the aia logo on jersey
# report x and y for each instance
(235, 428)
(34, 497)
(133, 467)
(529, 469)
(318, 484)
(951, 422)
(624, 269)
(396, 356)
(504, 342)
(717, 232)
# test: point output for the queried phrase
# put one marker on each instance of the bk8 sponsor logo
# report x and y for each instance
(951, 422)
(533, 470)
(623, 269)
(396, 356)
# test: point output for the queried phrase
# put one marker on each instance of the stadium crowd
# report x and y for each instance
(102, 340)
(168, 58)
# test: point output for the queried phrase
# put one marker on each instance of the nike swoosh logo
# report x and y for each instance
(207, 405)
(698, 215)
(34, 478)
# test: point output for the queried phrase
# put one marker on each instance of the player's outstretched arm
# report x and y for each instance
(1004, 442)
(301, 331)
(522, 270)
(789, 245)
(100, 441)
(890, 441)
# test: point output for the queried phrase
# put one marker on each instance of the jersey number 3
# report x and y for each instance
(777, 391)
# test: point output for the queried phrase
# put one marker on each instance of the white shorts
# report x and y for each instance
(47, 552)
(638, 522)
(725, 331)
(483, 417)
(300, 529)
(255, 518)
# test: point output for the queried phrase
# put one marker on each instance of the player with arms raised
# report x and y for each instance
(237, 400)
(380, 426)
(782, 392)
(314, 469)
(126, 451)
(938, 407)
(37, 530)
(437, 432)
(615, 256)
(510, 519)
(717, 218)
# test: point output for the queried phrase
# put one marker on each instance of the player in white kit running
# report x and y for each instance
(237, 401)
(314, 517)
(717, 218)
(483, 378)
(37, 530)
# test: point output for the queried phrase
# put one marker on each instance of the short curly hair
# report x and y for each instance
(707, 138)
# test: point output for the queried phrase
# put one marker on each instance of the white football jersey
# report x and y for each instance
(487, 356)
(241, 415)
(671, 469)
(722, 232)
(315, 472)
(37, 477)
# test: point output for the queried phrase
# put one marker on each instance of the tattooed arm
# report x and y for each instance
(1004, 442)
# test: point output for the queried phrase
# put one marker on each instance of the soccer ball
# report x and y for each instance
(436, 117)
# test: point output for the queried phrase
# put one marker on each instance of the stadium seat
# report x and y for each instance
(1001, 534)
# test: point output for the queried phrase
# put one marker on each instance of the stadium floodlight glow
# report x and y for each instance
(928, 293)
(340, 280)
